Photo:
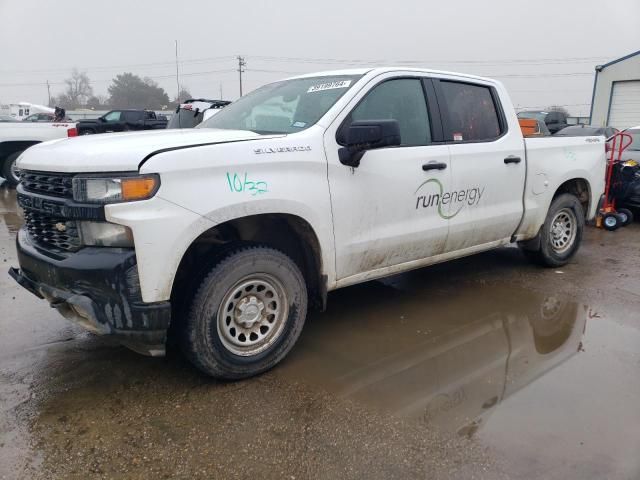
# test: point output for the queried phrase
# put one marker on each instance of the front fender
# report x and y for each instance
(164, 230)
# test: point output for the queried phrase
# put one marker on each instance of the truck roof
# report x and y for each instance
(379, 70)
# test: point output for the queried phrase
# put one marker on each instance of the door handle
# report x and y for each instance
(512, 159)
(434, 166)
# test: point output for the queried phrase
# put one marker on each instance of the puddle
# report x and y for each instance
(8, 209)
(444, 357)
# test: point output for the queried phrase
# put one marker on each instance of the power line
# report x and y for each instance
(519, 62)
(153, 77)
(502, 75)
(130, 65)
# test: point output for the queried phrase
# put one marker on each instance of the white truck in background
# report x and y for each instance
(226, 233)
(16, 137)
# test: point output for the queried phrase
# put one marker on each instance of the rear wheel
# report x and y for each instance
(626, 216)
(560, 236)
(9, 170)
(86, 131)
(247, 314)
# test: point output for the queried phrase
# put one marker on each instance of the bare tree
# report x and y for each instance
(78, 89)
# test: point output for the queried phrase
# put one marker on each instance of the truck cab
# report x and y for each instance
(227, 233)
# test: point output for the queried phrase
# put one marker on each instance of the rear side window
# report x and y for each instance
(403, 100)
(133, 116)
(471, 112)
(186, 118)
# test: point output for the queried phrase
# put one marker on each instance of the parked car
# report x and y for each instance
(121, 121)
(16, 137)
(7, 118)
(194, 111)
(229, 232)
(632, 152)
(40, 117)
(554, 120)
(586, 131)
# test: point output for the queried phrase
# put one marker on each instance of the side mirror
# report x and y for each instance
(366, 135)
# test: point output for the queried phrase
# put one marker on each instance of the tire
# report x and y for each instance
(246, 315)
(86, 131)
(9, 171)
(626, 216)
(611, 221)
(560, 235)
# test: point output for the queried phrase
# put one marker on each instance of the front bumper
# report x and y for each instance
(97, 288)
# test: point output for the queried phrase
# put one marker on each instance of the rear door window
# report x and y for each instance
(470, 112)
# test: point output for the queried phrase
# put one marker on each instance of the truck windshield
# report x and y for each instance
(283, 107)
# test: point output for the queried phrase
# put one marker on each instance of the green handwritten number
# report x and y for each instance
(237, 184)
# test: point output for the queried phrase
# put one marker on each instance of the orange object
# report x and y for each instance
(138, 188)
(529, 127)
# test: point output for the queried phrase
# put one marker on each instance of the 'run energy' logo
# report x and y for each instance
(458, 198)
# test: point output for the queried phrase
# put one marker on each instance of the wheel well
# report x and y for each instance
(290, 234)
(7, 148)
(578, 187)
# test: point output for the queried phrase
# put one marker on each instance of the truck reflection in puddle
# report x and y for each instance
(8, 208)
(445, 356)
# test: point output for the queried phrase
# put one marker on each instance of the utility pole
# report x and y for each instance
(241, 64)
(177, 73)
(48, 94)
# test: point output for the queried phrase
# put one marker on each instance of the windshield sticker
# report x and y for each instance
(458, 198)
(299, 124)
(329, 86)
(238, 184)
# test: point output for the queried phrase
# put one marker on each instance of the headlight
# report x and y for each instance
(104, 234)
(115, 189)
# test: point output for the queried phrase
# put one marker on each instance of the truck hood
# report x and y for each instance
(112, 152)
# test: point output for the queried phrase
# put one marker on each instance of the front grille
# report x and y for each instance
(47, 183)
(51, 231)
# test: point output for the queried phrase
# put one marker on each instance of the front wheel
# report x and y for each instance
(246, 315)
(611, 221)
(9, 170)
(561, 234)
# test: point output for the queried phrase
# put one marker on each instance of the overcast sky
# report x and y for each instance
(544, 51)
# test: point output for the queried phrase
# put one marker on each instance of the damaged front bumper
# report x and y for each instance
(96, 287)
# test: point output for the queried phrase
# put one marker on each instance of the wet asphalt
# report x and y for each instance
(482, 368)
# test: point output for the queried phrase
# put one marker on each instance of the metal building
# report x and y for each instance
(616, 93)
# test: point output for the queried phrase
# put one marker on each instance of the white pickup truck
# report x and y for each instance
(16, 137)
(226, 233)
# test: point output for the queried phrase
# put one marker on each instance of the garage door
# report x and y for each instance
(625, 105)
